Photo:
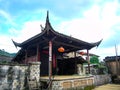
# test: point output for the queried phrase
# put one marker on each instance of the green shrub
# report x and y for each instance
(89, 87)
(81, 88)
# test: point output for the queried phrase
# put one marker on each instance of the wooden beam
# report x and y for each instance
(48, 39)
(53, 38)
(62, 43)
(38, 53)
(66, 44)
(31, 45)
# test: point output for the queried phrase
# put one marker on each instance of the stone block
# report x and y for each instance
(77, 83)
(67, 84)
(90, 81)
(83, 82)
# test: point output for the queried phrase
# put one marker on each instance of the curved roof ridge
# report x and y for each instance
(48, 28)
(63, 35)
(24, 42)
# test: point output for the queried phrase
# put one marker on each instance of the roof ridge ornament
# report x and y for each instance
(15, 43)
(48, 26)
(42, 28)
(47, 18)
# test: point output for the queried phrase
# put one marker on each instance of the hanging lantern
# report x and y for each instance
(61, 49)
(82, 53)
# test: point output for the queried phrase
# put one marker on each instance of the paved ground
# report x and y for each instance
(108, 87)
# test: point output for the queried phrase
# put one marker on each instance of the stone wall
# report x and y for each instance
(73, 83)
(102, 79)
(34, 70)
(13, 77)
(81, 82)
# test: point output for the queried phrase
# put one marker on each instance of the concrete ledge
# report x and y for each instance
(35, 63)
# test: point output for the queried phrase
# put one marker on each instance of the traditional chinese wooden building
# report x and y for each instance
(50, 47)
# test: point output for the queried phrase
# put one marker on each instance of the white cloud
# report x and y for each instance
(96, 24)
(29, 29)
(92, 27)
(7, 17)
(82, 29)
(7, 44)
(88, 28)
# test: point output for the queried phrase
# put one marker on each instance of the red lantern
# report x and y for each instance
(82, 53)
(61, 49)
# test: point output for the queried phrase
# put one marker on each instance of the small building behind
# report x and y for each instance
(113, 65)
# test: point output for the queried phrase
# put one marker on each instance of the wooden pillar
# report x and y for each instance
(88, 61)
(38, 53)
(50, 60)
(75, 63)
(54, 61)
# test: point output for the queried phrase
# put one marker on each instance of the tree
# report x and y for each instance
(94, 60)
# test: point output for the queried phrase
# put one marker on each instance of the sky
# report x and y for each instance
(87, 20)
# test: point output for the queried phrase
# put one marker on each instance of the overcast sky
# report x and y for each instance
(87, 20)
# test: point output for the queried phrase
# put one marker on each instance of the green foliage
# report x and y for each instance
(89, 87)
(94, 60)
(4, 53)
(4, 62)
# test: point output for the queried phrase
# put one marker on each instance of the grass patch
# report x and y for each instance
(82, 88)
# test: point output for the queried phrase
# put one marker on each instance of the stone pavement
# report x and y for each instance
(108, 87)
